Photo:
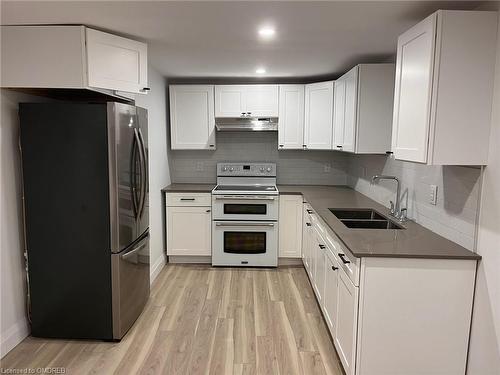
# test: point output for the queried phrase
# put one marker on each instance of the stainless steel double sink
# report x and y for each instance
(364, 218)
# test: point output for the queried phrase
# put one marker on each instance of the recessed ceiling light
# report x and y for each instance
(260, 71)
(266, 32)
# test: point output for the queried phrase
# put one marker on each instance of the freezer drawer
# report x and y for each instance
(130, 285)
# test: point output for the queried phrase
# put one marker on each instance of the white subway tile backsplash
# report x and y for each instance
(293, 166)
(454, 215)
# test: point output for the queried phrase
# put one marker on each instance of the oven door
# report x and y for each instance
(245, 207)
(245, 243)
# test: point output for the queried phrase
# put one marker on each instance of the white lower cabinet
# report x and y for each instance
(390, 315)
(332, 271)
(290, 226)
(189, 229)
(346, 322)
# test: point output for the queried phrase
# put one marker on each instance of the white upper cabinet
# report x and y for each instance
(291, 117)
(318, 128)
(116, 62)
(443, 92)
(75, 57)
(246, 101)
(192, 120)
(363, 109)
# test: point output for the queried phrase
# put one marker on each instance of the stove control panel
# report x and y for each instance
(246, 169)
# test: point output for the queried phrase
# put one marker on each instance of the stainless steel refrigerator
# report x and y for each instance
(86, 217)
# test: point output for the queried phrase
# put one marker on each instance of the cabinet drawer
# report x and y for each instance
(348, 262)
(189, 199)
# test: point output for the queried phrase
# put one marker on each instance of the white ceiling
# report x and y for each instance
(219, 39)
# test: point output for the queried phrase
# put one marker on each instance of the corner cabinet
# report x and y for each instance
(444, 87)
(318, 126)
(72, 57)
(363, 106)
(246, 100)
(192, 120)
(290, 226)
(291, 117)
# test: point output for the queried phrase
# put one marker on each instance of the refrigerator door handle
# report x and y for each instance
(144, 172)
(133, 182)
(135, 250)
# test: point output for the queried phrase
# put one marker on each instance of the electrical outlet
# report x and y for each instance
(327, 167)
(433, 194)
(199, 166)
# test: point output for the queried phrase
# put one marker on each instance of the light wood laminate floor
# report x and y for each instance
(203, 320)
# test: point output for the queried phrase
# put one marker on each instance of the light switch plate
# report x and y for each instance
(433, 194)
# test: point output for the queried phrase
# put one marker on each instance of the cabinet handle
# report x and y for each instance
(211, 145)
(309, 211)
(342, 258)
(249, 113)
(187, 199)
(281, 145)
(334, 268)
(322, 247)
(339, 146)
(208, 210)
(146, 89)
(308, 224)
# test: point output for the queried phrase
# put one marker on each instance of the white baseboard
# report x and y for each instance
(13, 336)
(156, 268)
(190, 259)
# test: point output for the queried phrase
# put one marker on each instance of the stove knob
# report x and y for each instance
(224, 169)
(231, 169)
(268, 169)
(262, 169)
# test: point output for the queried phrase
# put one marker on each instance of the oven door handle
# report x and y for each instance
(247, 198)
(233, 224)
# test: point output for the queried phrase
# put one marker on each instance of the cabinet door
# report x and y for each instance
(319, 268)
(261, 100)
(330, 295)
(318, 126)
(182, 222)
(351, 109)
(291, 117)
(306, 248)
(192, 121)
(412, 96)
(339, 114)
(346, 322)
(290, 226)
(116, 63)
(229, 101)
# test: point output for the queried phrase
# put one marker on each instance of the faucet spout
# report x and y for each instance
(397, 210)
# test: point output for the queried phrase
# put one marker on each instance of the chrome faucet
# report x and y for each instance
(396, 211)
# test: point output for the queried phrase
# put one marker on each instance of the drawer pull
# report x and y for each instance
(309, 211)
(322, 246)
(308, 224)
(343, 259)
(334, 268)
(208, 210)
(187, 199)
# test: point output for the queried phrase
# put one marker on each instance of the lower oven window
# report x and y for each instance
(244, 209)
(245, 242)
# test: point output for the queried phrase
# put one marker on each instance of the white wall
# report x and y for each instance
(13, 321)
(159, 177)
(484, 351)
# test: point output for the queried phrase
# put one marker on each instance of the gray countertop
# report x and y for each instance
(413, 242)
(188, 188)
